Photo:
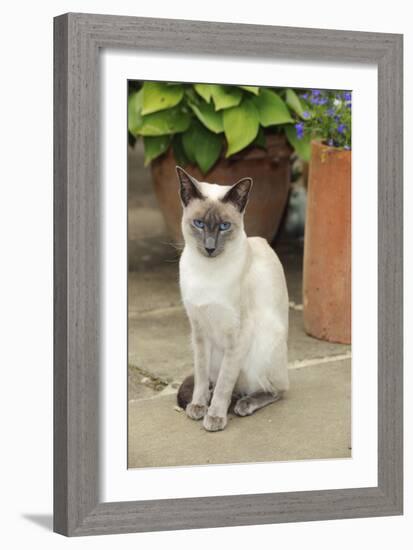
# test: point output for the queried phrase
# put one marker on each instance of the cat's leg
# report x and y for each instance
(216, 418)
(250, 403)
(198, 407)
(266, 374)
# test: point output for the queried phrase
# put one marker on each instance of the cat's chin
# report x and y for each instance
(209, 256)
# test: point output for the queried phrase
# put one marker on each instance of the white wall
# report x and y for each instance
(26, 269)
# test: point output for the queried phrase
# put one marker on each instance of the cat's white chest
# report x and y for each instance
(209, 295)
(211, 298)
(206, 282)
(201, 292)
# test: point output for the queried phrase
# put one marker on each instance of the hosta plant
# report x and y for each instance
(203, 122)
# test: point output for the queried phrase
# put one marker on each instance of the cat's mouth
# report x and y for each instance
(210, 253)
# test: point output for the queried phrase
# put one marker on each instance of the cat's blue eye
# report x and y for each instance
(224, 226)
(199, 223)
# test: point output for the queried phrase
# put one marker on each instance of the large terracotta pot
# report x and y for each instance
(327, 245)
(270, 170)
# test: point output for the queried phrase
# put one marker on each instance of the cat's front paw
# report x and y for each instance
(214, 423)
(196, 412)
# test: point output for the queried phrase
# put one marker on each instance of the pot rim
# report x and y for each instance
(320, 144)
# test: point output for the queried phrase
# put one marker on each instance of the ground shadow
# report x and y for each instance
(44, 520)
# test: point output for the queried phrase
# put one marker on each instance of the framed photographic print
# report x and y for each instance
(228, 274)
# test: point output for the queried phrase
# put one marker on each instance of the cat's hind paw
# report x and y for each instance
(244, 407)
(214, 423)
(196, 412)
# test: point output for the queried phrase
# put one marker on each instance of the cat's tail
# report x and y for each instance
(186, 389)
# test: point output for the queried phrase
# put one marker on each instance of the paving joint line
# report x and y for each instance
(302, 363)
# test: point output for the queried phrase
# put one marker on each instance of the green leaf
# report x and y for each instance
(241, 126)
(224, 96)
(134, 112)
(170, 121)
(301, 146)
(271, 108)
(205, 91)
(260, 140)
(293, 101)
(202, 146)
(208, 116)
(158, 96)
(188, 144)
(192, 96)
(252, 89)
(155, 146)
(178, 149)
(208, 148)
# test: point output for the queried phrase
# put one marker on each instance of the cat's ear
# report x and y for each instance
(188, 187)
(238, 194)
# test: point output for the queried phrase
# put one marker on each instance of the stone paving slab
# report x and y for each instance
(153, 289)
(313, 421)
(159, 343)
(159, 334)
(302, 347)
(291, 257)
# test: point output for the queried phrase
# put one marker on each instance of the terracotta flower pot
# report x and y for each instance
(327, 245)
(270, 170)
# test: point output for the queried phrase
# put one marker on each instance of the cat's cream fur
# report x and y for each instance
(237, 305)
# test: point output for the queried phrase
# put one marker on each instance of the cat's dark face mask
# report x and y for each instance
(212, 223)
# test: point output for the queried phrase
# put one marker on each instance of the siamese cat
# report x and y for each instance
(235, 295)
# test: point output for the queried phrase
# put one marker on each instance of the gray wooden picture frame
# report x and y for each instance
(78, 38)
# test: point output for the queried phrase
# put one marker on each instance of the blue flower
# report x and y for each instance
(341, 128)
(306, 114)
(331, 111)
(347, 96)
(304, 96)
(316, 92)
(317, 100)
(299, 128)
